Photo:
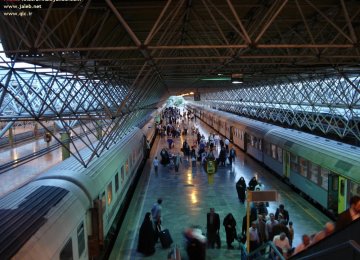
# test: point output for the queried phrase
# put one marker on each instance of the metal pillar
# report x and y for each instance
(65, 150)
(36, 131)
(11, 137)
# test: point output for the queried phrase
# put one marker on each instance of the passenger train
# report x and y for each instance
(327, 171)
(71, 212)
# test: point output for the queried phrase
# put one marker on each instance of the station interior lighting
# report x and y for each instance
(187, 94)
(237, 78)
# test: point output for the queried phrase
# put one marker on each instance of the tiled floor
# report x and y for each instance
(188, 194)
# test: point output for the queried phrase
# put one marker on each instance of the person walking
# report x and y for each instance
(146, 243)
(156, 164)
(241, 189)
(177, 161)
(230, 229)
(232, 155)
(213, 228)
(156, 217)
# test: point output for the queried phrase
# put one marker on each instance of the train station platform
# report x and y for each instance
(22, 174)
(189, 194)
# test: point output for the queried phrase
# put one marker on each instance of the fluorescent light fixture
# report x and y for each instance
(237, 78)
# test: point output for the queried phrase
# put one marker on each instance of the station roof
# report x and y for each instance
(187, 44)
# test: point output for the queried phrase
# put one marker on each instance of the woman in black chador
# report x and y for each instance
(241, 189)
(230, 229)
(252, 183)
(146, 244)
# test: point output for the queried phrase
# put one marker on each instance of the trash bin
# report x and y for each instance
(210, 166)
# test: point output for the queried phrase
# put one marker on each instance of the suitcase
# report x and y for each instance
(165, 238)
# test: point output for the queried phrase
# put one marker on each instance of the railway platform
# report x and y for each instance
(189, 194)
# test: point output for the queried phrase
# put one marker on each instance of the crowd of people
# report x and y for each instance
(265, 226)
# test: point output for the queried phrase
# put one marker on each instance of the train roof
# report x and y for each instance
(22, 213)
(91, 177)
(329, 154)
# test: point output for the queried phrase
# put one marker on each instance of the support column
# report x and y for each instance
(54, 130)
(65, 140)
(36, 130)
(11, 137)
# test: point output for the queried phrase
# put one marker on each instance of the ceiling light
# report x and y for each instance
(237, 78)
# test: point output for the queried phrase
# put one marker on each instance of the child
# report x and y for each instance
(156, 164)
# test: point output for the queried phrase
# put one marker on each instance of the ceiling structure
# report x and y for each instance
(112, 62)
(186, 42)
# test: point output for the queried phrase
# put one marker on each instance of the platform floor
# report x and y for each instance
(188, 194)
(21, 175)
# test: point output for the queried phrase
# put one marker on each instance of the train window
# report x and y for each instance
(267, 148)
(273, 151)
(116, 182)
(303, 167)
(313, 173)
(259, 144)
(130, 162)
(127, 166)
(279, 154)
(103, 203)
(122, 174)
(109, 193)
(81, 239)
(67, 252)
(342, 187)
(354, 189)
(324, 176)
(335, 182)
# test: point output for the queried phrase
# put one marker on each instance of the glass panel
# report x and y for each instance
(354, 189)
(122, 174)
(109, 193)
(294, 163)
(273, 151)
(116, 182)
(279, 154)
(103, 203)
(324, 178)
(127, 166)
(67, 252)
(313, 172)
(342, 187)
(303, 166)
(81, 239)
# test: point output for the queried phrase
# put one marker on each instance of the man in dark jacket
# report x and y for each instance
(213, 228)
(283, 212)
(349, 215)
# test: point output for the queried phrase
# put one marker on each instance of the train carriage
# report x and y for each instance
(325, 170)
(74, 210)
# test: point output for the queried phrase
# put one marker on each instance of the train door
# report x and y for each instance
(231, 133)
(333, 192)
(342, 194)
(286, 163)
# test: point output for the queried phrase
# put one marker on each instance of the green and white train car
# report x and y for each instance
(327, 171)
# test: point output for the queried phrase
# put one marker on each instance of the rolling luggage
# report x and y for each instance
(165, 238)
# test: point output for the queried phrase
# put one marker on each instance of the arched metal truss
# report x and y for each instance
(104, 108)
(330, 105)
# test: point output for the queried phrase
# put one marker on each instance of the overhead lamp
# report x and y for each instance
(237, 78)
